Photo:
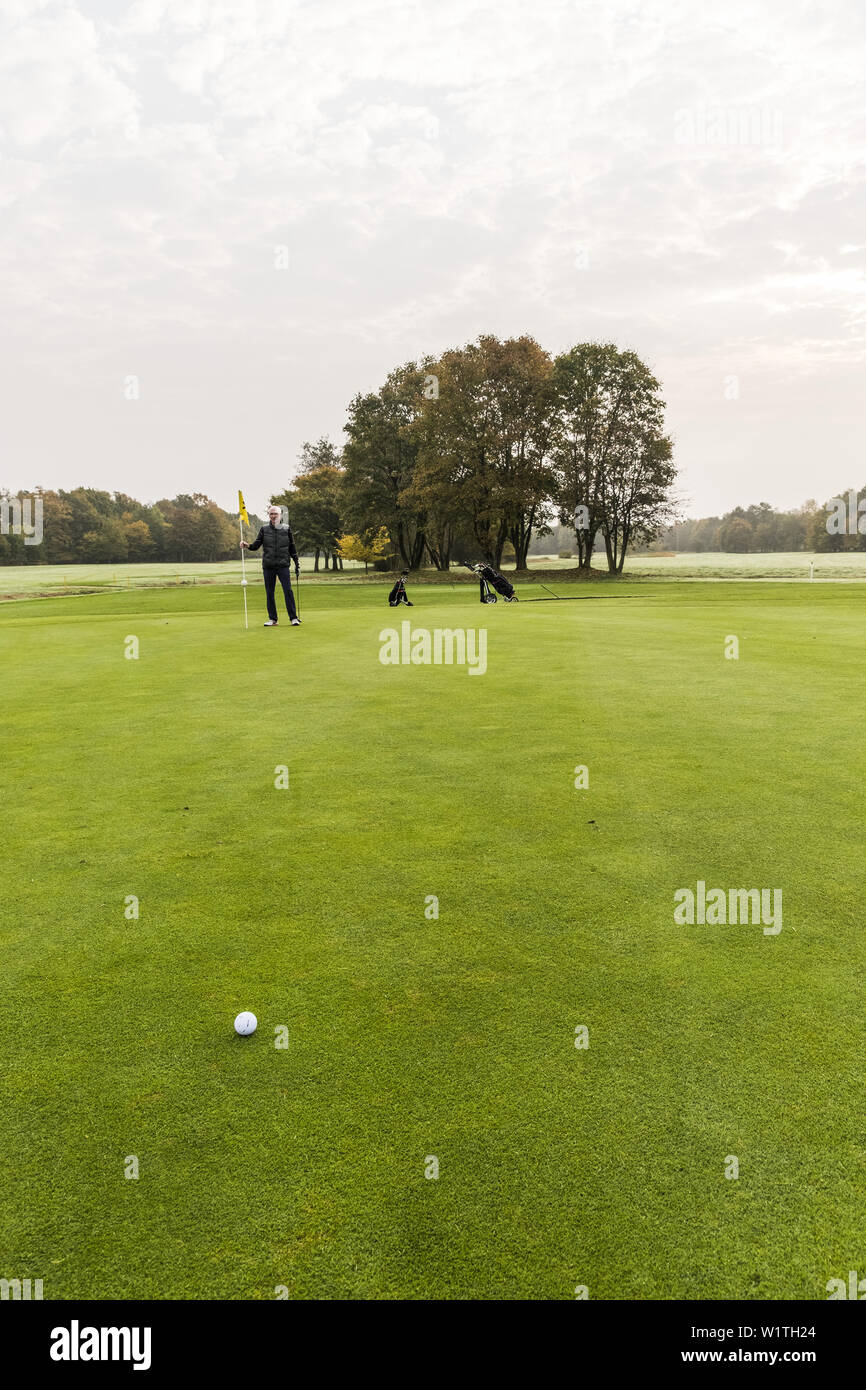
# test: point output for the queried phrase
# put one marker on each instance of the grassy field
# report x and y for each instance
(796, 565)
(30, 579)
(18, 580)
(412, 1037)
(714, 565)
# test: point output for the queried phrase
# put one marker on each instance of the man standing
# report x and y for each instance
(277, 545)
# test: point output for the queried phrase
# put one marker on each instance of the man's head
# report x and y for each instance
(404, 574)
(275, 515)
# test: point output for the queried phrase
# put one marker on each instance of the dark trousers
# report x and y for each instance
(284, 574)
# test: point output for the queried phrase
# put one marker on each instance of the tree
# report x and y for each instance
(380, 458)
(637, 492)
(484, 439)
(105, 544)
(590, 400)
(195, 529)
(99, 527)
(140, 544)
(314, 505)
(735, 535)
(322, 454)
(368, 548)
(612, 457)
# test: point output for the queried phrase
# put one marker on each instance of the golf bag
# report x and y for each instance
(398, 595)
(492, 579)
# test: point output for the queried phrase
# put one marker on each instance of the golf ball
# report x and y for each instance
(245, 1024)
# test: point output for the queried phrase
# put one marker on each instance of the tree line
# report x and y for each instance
(87, 526)
(760, 529)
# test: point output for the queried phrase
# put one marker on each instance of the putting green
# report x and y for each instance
(413, 1037)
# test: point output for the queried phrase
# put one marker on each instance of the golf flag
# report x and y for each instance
(242, 507)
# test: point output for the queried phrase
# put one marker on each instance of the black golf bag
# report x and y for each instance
(398, 595)
(492, 579)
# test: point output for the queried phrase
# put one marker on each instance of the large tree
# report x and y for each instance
(638, 503)
(612, 457)
(379, 459)
(590, 396)
(484, 439)
(314, 504)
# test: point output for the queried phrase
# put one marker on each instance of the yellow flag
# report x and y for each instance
(242, 508)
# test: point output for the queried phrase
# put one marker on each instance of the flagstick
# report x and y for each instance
(243, 572)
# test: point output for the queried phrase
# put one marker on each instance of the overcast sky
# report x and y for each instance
(683, 179)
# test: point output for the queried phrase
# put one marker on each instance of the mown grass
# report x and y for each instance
(412, 1037)
(17, 581)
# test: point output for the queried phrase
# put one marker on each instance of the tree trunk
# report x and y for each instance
(585, 547)
(521, 538)
(501, 538)
(626, 537)
(401, 545)
(614, 549)
(417, 553)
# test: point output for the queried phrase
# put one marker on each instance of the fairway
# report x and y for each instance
(414, 1037)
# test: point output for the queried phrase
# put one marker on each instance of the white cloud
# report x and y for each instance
(433, 169)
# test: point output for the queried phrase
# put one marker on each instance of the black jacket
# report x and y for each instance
(277, 545)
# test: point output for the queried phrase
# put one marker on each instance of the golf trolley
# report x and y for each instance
(491, 580)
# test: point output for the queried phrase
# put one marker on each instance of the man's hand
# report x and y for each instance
(244, 545)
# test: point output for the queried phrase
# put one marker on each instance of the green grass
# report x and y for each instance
(17, 581)
(850, 564)
(412, 1037)
(847, 565)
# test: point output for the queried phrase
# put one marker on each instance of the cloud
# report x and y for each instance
(690, 183)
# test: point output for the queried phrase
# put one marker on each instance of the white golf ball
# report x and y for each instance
(245, 1024)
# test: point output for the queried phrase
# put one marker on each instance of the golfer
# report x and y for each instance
(277, 545)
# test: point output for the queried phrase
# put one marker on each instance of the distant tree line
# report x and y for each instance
(761, 529)
(86, 526)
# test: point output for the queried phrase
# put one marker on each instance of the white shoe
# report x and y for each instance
(296, 622)
(272, 622)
